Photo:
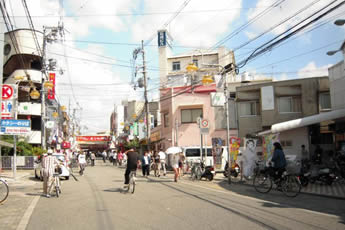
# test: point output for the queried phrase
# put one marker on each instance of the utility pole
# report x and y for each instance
(145, 96)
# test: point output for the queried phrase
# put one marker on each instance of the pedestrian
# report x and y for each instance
(120, 158)
(175, 162)
(82, 162)
(111, 156)
(304, 153)
(104, 155)
(145, 164)
(162, 157)
(115, 158)
(156, 164)
(181, 163)
(49, 163)
(93, 158)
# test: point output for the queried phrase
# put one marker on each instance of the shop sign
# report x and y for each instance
(155, 136)
(93, 138)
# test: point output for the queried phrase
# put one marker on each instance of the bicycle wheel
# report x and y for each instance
(291, 186)
(198, 173)
(262, 183)
(3, 191)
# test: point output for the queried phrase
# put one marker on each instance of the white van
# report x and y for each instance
(192, 154)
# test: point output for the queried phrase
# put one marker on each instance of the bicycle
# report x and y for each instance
(289, 184)
(131, 184)
(4, 190)
(56, 184)
(196, 171)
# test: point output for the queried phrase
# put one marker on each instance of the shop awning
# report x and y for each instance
(305, 121)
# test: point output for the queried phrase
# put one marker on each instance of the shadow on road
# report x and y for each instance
(275, 198)
(120, 190)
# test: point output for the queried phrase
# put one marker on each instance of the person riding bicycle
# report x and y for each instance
(279, 161)
(132, 163)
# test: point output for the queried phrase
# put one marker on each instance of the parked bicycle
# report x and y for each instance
(56, 184)
(287, 183)
(4, 190)
(131, 184)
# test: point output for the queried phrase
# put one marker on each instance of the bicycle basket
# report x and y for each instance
(58, 170)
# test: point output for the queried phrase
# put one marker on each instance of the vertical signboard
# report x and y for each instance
(51, 92)
(162, 38)
(9, 95)
(267, 98)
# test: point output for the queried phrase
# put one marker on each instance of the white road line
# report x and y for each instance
(256, 199)
(25, 219)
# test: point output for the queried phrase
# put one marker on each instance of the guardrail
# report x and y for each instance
(23, 162)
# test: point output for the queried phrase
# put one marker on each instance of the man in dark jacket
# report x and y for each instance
(279, 161)
(132, 163)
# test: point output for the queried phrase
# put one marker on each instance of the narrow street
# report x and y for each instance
(98, 202)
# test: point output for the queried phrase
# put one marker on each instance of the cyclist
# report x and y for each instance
(279, 161)
(132, 164)
(49, 163)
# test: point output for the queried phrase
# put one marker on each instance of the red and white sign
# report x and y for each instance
(51, 92)
(204, 123)
(7, 92)
(66, 145)
(93, 138)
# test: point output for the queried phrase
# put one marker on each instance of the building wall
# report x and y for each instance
(308, 89)
(297, 137)
(337, 85)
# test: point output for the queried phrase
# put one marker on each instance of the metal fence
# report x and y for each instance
(23, 162)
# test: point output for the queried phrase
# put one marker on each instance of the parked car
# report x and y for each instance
(61, 158)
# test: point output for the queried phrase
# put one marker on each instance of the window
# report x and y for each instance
(324, 101)
(195, 62)
(176, 66)
(248, 109)
(196, 152)
(286, 143)
(166, 120)
(190, 115)
(289, 104)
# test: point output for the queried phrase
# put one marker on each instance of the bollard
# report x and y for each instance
(241, 170)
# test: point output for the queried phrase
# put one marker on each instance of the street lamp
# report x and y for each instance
(339, 22)
(332, 52)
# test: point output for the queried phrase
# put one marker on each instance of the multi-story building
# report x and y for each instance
(23, 67)
(296, 109)
(337, 92)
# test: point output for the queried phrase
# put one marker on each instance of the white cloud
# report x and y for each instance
(189, 28)
(311, 70)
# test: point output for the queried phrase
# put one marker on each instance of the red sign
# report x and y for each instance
(93, 138)
(7, 92)
(66, 145)
(51, 92)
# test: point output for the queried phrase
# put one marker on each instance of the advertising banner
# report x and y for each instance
(217, 152)
(249, 156)
(93, 138)
(235, 143)
(267, 144)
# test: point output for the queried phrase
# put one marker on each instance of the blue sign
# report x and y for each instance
(162, 38)
(15, 123)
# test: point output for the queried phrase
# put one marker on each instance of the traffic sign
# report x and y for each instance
(204, 123)
(7, 92)
(15, 127)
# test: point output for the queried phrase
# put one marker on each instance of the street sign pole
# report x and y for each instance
(15, 144)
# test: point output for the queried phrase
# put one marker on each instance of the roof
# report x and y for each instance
(305, 121)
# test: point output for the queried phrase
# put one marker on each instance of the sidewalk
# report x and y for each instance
(21, 176)
(336, 190)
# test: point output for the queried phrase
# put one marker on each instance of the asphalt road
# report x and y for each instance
(98, 202)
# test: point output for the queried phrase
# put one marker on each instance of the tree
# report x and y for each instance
(23, 148)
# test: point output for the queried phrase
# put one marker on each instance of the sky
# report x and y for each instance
(95, 53)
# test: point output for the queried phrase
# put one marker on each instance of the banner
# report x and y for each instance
(217, 152)
(51, 92)
(267, 144)
(235, 143)
(249, 157)
(93, 138)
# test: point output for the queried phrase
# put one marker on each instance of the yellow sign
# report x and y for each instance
(155, 136)
(134, 115)
(122, 123)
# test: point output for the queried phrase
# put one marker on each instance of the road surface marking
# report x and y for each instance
(25, 219)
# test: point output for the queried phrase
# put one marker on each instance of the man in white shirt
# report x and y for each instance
(162, 157)
(82, 162)
(49, 163)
